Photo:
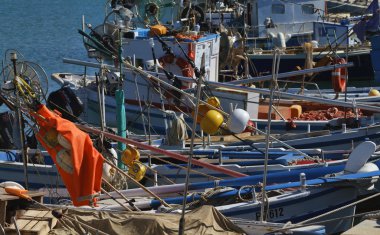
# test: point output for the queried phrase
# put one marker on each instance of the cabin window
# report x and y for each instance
(278, 8)
(308, 9)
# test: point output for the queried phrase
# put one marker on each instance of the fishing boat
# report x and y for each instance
(283, 206)
(144, 46)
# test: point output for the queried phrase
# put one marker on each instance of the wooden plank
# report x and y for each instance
(33, 194)
(34, 222)
(31, 218)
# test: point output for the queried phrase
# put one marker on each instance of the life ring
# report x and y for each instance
(339, 76)
(184, 65)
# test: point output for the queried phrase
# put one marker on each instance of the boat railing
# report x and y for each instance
(300, 82)
(296, 28)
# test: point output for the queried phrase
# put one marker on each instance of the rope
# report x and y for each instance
(366, 215)
(203, 198)
(339, 209)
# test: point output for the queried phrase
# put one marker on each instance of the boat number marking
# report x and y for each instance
(272, 213)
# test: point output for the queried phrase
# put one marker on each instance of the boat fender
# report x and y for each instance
(129, 155)
(211, 122)
(203, 109)
(295, 111)
(108, 172)
(214, 101)
(370, 167)
(9, 184)
(237, 122)
(137, 170)
(373, 92)
(339, 76)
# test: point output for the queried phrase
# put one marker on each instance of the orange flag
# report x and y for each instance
(78, 162)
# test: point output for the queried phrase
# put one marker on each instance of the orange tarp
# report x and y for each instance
(78, 162)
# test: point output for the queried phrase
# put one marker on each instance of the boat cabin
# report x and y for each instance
(291, 23)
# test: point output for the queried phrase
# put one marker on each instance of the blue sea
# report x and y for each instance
(45, 31)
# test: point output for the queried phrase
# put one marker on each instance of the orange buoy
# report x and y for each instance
(339, 76)
(22, 193)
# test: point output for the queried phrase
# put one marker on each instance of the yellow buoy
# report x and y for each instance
(137, 170)
(214, 101)
(295, 111)
(129, 155)
(202, 110)
(374, 92)
(51, 137)
(211, 122)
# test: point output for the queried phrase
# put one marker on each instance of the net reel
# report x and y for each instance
(31, 81)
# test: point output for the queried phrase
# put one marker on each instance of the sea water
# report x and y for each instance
(45, 31)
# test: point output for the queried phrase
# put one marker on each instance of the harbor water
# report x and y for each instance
(45, 31)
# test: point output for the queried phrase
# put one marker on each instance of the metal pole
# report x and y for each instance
(119, 96)
(275, 65)
(198, 95)
(20, 120)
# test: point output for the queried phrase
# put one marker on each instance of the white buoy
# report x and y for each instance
(237, 122)
(370, 167)
(107, 172)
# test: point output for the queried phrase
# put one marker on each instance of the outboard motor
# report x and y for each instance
(66, 102)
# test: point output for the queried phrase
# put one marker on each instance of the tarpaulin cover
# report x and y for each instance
(204, 220)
